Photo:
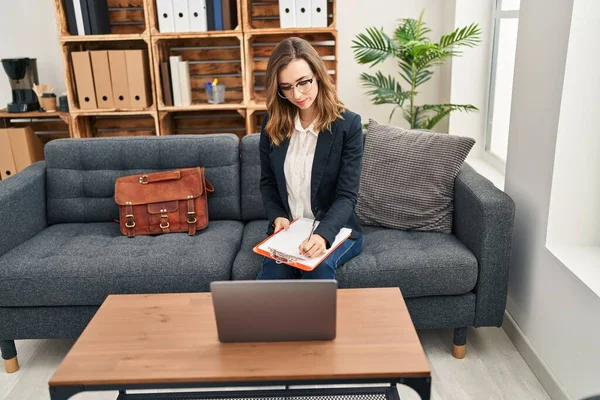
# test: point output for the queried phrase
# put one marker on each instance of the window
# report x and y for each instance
(506, 23)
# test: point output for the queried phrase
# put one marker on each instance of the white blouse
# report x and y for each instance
(298, 169)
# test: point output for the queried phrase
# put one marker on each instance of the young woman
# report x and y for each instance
(311, 158)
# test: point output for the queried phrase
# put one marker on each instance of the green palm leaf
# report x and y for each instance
(439, 111)
(416, 118)
(384, 90)
(373, 47)
(469, 36)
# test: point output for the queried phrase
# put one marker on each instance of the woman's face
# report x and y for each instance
(294, 83)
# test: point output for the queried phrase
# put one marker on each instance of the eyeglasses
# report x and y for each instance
(303, 87)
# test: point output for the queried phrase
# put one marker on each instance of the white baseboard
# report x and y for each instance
(538, 366)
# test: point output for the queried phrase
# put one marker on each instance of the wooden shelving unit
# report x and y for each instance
(46, 125)
(237, 58)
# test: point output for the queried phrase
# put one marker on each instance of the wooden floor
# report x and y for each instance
(493, 369)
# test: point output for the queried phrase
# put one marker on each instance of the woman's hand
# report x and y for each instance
(281, 223)
(313, 247)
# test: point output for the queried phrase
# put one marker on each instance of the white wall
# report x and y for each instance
(555, 310)
(574, 206)
(28, 29)
(353, 17)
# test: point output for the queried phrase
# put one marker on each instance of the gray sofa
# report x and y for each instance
(61, 252)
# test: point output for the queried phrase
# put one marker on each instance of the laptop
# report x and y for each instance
(275, 311)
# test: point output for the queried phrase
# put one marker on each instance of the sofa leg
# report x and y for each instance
(9, 354)
(459, 347)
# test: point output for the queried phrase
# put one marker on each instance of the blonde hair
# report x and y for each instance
(282, 113)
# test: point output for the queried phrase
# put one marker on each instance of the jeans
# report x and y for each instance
(326, 270)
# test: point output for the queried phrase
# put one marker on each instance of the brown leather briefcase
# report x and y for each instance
(163, 202)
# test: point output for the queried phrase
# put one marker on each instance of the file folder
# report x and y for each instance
(7, 162)
(181, 15)
(165, 80)
(19, 148)
(166, 20)
(287, 13)
(27, 148)
(303, 14)
(102, 81)
(218, 10)
(174, 61)
(71, 17)
(99, 17)
(84, 80)
(118, 77)
(138, 77)
(197, 12)
(85, 12)
(319, 13)
(185, 83)
(78, 16)
(210, 15)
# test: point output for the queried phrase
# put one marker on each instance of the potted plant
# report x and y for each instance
(416, 56)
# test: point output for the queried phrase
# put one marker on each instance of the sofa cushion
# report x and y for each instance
(420, 263)
(81, 173)
(407, 180)
(252, 205)
(247, 263)
(80, 264)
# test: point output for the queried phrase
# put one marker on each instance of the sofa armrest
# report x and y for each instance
(483, 221)
(22, 206)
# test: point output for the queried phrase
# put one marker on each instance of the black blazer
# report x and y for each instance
(334, 182)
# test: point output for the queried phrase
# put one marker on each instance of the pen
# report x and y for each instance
(314, 225)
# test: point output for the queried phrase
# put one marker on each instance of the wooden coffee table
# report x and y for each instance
(169, 341)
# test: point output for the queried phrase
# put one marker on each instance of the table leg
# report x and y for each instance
(420, 385)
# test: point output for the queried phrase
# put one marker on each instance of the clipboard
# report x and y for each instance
(283, 245)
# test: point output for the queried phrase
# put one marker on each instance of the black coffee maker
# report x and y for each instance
(23, 74)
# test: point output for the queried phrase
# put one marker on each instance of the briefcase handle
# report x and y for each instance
(160, 177)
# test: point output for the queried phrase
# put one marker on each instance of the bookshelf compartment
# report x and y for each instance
(203, 122)
(126, 17)
(264, 15)
(90, 126)
(260, 46)
(68, 48)
(209, 58)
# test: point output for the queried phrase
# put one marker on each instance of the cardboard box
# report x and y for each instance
(19, 148)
